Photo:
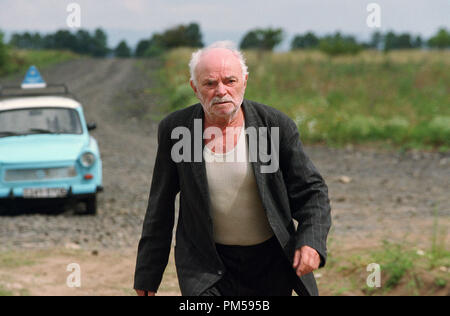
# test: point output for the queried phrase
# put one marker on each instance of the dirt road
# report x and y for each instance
(376, 195)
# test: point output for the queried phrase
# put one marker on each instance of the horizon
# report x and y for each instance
(133, 37)
(134, 20)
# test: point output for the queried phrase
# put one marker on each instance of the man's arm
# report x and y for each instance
(308, 199)
(156, 239)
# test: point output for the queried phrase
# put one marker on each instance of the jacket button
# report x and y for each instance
(220, 272)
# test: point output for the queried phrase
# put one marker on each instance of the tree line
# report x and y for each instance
(81, 42)
(95, 43)
(338, 43)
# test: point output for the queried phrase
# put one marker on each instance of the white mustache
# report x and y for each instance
(221, 100)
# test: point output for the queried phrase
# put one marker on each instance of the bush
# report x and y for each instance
(439, 129)
(359, 127)
(396, 129)
(182, 96)
(154, 50)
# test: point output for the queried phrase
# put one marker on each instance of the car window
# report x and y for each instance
(40, 120)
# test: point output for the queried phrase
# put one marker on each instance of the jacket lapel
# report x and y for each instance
(198, 165)
(251, 121)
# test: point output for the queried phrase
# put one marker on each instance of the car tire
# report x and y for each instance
(91, 205)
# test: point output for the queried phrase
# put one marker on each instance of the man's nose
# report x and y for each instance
(221, 90)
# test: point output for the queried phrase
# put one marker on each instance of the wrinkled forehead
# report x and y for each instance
(218, 62)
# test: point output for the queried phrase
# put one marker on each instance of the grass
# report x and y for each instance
(405, 269)
(11, 260)
(14, 259)
(396, 262)
(20, 60)
(438, 255)
(401, 98)
(5, 292)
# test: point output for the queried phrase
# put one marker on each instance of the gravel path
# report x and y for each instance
(375, 195)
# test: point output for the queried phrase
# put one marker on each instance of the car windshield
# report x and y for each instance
(39, 121)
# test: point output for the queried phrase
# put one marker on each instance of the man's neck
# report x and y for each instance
(230, 133)
(236, 121)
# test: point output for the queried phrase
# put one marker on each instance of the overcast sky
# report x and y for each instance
(219, 20)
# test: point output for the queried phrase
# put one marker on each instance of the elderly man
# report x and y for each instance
(235, 234)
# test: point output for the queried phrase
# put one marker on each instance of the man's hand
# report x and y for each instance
(306, 260)
(142, 293)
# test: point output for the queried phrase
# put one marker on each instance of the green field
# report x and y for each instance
(19, 60)
(399, 99)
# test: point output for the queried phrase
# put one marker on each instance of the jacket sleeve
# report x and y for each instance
(155, 243)
(307, 191)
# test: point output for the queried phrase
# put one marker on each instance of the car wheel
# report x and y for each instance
(91, 205)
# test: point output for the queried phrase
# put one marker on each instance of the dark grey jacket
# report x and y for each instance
(296, 191)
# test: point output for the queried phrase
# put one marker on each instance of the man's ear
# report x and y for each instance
(245, 81)
(193, 86)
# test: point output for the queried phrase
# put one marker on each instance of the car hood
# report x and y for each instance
(41, 148)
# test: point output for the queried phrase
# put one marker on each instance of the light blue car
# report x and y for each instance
(46, 152)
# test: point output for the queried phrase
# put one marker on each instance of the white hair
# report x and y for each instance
(196, 56)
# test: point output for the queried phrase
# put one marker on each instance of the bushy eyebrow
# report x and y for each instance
(206, 80)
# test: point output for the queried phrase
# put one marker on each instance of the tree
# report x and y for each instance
(309, 40)
(181, 35)
(404, 41)
(417, 42)
(376, 40)
(65, 40)
(99, 44)
(441, 40)
(37, 41)
(178, 36)
(83, 42)
(262, 39)
(141, 48)
(193, 35)
(390, 41)
(401, 41)
(122, 50)
(338, 44)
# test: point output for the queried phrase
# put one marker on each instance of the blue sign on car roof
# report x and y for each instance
(33, 79)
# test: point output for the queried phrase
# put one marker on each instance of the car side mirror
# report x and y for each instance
(91, 126)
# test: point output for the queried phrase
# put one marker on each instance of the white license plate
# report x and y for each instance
(39, 193)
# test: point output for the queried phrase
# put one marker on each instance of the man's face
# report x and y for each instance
(220, 84)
